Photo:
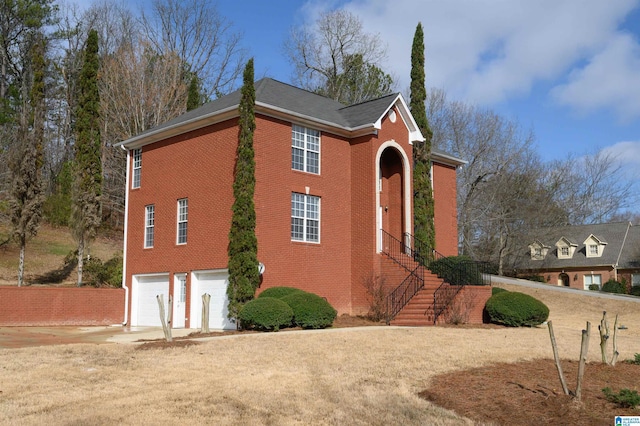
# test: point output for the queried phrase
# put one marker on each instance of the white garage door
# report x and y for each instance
(144, 306)
(215, 284)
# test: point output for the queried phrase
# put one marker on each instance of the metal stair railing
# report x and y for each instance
(456, 273)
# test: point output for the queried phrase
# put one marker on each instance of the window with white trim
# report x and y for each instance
(564, 251)
(183, 212)
(593, 249)
(305, 218)
(137, 168)
(592, 279)
(149, 225)
(635, 280)
(305, 149)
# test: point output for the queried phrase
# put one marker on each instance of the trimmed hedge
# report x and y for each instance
(279, 292)
(310, 310)
(613, 286)
(635, 290)
(516, 309)
(496, 290)
(265, 313)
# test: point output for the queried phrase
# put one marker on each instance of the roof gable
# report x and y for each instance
(281, 100)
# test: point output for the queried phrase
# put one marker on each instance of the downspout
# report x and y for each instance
(624, 240)
(124, 250)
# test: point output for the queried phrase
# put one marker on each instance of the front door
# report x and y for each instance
(180, 300)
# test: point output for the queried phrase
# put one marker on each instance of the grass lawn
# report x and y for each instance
(364, 376)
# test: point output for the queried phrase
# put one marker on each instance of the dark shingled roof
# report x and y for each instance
(622, 247)
(301, 102)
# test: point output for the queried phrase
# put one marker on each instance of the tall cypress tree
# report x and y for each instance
(423, 213)
(243, 244)
(87, 185)
(27, 161)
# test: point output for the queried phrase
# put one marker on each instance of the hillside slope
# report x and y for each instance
(46, 252)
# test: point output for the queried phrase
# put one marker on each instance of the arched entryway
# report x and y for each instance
(393, 192)
(564, 279)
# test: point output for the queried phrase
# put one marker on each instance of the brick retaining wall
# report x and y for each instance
(49, 306)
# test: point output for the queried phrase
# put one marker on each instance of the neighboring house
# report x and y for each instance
(329, 177)
(583, 255)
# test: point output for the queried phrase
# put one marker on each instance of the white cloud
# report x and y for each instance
(626, 153)
(488, 51)
(610, 79)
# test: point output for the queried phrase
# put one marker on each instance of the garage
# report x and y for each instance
(144, 306)
(215, 284)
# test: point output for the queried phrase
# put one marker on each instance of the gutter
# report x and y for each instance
(124, 250)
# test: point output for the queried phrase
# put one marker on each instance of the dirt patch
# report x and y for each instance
(163, 344)
(529, 392)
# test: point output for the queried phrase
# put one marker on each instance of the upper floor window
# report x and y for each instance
(305, 218)
(183, 211)
(137, 168)
(305, 149)
(593, 249)
(149, 225)
(564, 251)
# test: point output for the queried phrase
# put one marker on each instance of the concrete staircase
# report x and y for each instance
(419, 312)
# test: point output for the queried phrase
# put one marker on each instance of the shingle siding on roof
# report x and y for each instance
(611, 233)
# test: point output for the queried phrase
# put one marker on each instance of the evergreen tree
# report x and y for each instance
(26, 164)
(193, 96)
(422, 193)
(87, 185)
(243, 244)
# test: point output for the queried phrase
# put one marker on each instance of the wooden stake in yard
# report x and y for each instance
(604, 336)
(557, 358)
(583, 359)
(614, 358)
(206, 298)
(166, 325)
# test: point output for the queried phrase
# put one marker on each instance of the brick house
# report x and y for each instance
(329, 178)
(580, 256)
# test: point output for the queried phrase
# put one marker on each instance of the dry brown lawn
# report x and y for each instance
(367, 376)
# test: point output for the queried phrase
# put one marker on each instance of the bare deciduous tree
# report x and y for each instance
(327, 55)
(195, 31)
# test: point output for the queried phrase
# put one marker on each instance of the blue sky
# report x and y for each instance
(568, 69)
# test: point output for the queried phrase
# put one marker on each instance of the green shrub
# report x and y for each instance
(310, 310)
(516, 309)
(626, 398)
(594, 287)
(635, 290)
(265, 313)
(456, 270)
(536, 278)
(613, 286)
(496, 290)
(279, 292)
(98, 274)
(635, 360)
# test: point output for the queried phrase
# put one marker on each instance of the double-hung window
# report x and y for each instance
(305, 149)
(305, 218)
(593, 279)
(149, 224)
(183, 211)
(137, 168)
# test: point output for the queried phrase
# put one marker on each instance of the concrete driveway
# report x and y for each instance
(19, 337)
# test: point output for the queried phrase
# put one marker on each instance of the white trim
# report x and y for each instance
(124, 250)
(406, 183)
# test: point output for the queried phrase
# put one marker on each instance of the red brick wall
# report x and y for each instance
(48, 306)
(468, 305)
(445, 209)
(199, 166)
(576, 276)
